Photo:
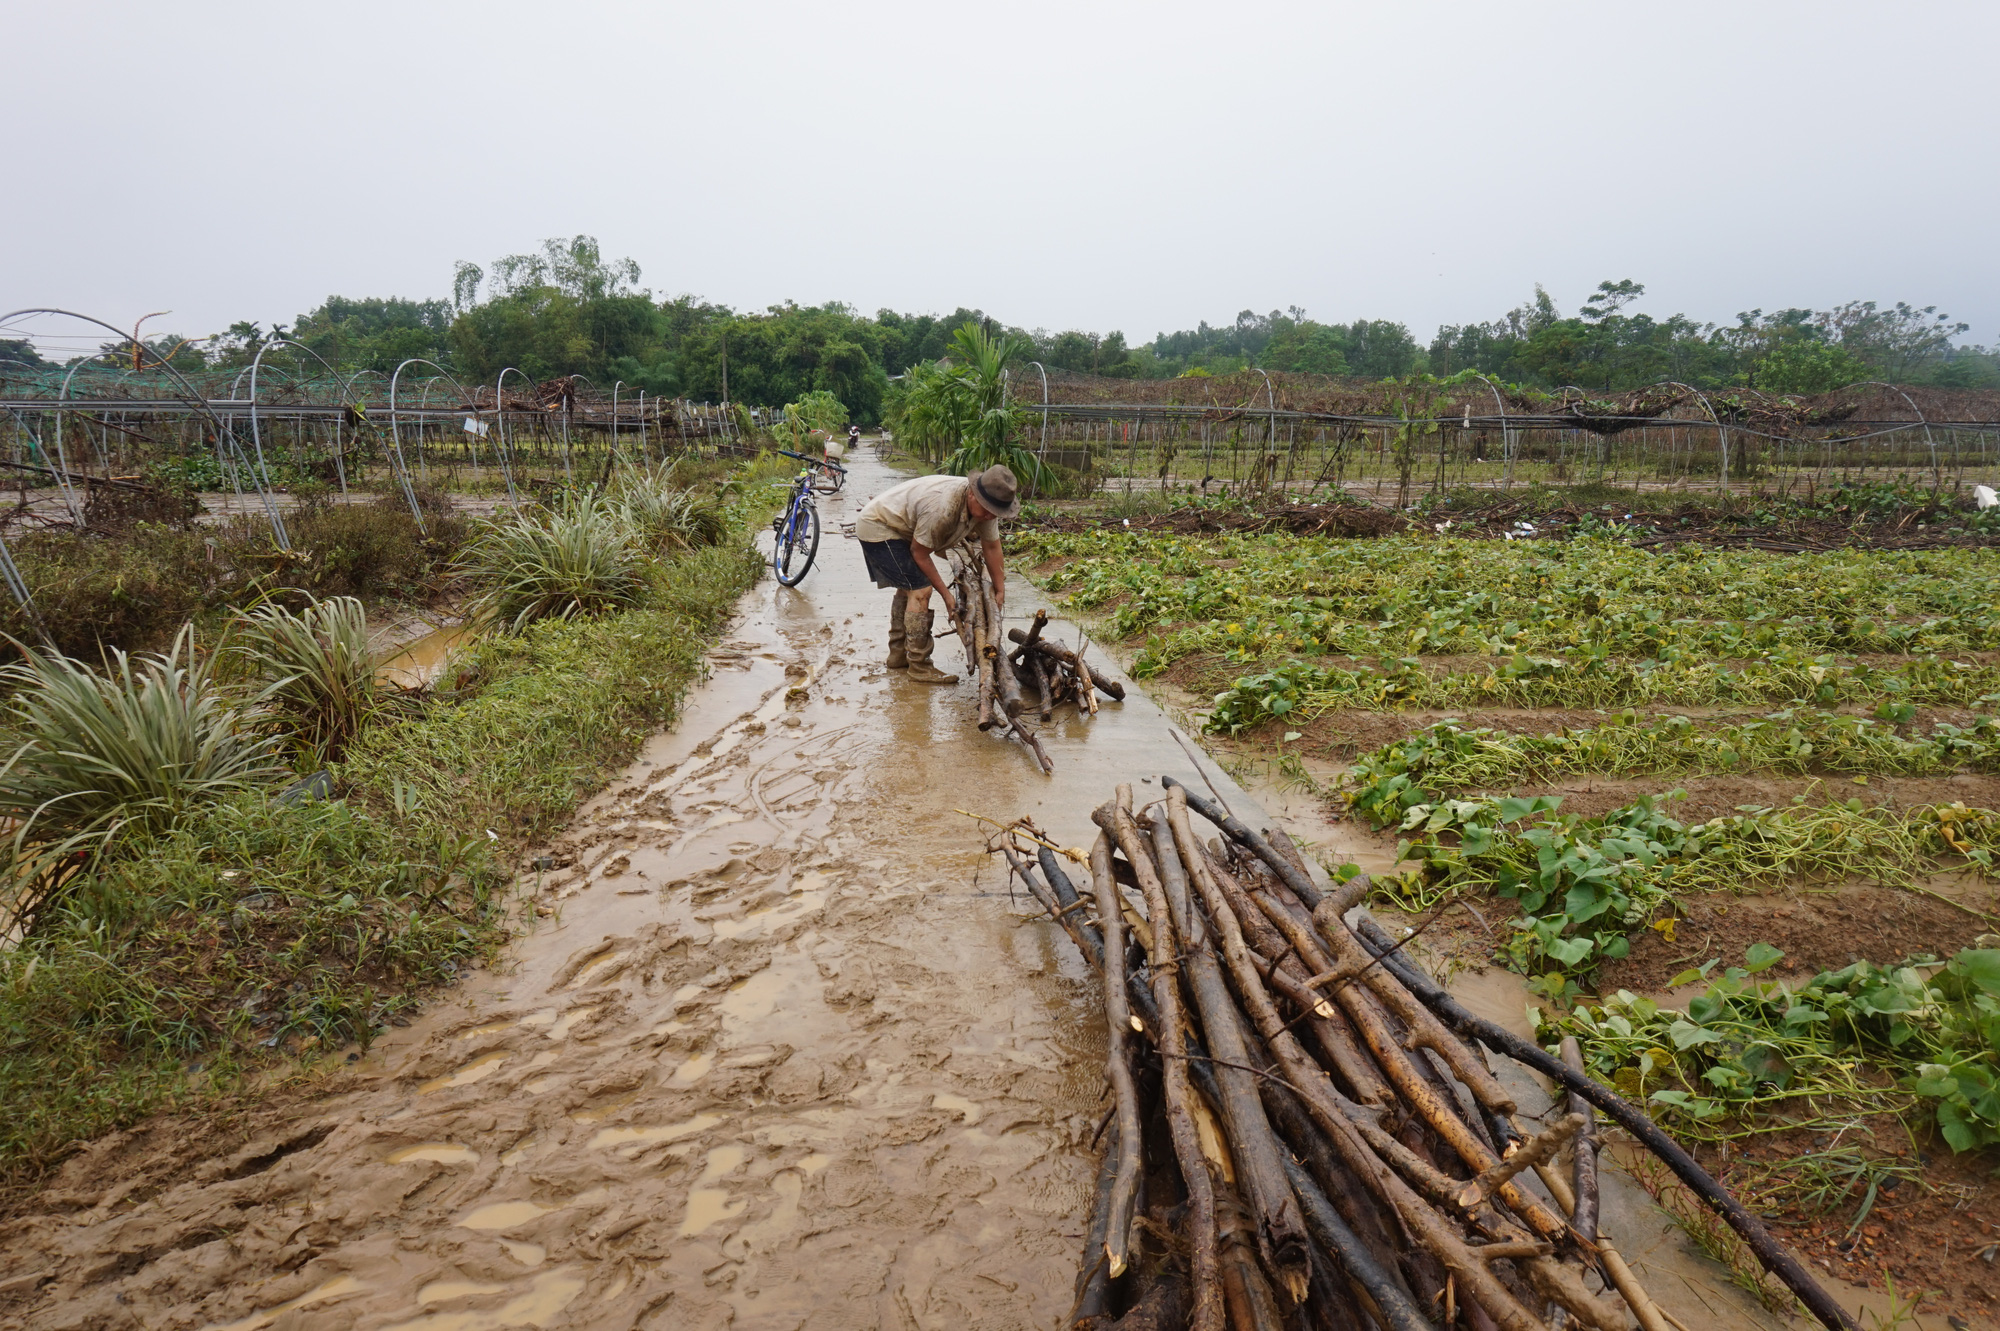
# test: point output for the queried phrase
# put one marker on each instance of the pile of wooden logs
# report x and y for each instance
(1058, 674)
(1306, 1131)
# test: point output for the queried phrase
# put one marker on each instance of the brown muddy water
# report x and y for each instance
(780, 1051)
(413, 662)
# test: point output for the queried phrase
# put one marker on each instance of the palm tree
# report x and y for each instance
(986, 422)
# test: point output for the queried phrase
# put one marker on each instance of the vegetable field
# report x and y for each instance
(1612, 765)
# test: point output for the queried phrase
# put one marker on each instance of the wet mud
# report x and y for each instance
(781, 1050)
(778, 1050)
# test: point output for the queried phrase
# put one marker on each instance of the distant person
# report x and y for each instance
(904, 526)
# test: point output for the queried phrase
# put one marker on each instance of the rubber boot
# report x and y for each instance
(917, 644)
(897, 605)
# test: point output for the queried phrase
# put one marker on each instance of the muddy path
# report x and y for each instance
(782, 1052)
(779, 1051)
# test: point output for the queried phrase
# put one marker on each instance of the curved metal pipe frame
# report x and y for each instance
(1937, 476)
(1506, 435)
(1721, 432)
(396, 430)
(504, 444)
(62, 458)
(1041, 449)
(574, 379)
(1271, 399)
(614, 429)
(190, 395)
(262, 476)
(347, 397)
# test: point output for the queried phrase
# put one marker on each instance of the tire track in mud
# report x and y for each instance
(779, 1052)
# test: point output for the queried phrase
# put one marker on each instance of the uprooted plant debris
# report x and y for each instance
(1306, 1128)
(1339, 515)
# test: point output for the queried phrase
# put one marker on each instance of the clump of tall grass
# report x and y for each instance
(142, 742)
(580, 558)
(317, 667)
(668, 516)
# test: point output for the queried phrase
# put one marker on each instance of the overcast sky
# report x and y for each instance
(1139, 167)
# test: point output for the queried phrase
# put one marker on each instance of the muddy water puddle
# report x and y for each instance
(415, 662)
(780, 1051)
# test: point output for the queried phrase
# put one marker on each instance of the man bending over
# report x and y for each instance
(904, 526)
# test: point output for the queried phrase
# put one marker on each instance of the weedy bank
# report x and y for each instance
(245, 851)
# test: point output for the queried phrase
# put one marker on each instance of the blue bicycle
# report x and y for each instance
(797, 528)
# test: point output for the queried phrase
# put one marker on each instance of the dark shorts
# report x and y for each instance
(891, 564)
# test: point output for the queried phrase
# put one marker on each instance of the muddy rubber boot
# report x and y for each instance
(917, 644)
(897, 605)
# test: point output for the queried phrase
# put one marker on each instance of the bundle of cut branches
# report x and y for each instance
(1057, 673)
(1306, 1129)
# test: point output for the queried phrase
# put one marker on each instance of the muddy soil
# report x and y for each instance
(1819, 931)
(1337, 515)
(1932, 1232)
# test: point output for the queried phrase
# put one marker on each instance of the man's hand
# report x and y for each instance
(999, 594)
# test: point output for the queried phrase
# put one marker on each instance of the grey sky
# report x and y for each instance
(1101, 166)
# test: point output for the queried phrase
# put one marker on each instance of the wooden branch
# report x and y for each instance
(1110, 688)
(1234, 828)
(1245, 1292)
(1583, 1161)
(1034, 630)
(1118, 1059)
(1007, 686)
(1629, 1288)
(1087, 686)
(1332, 1234)
(1033, 741)
(1425, 1029)
(1330, 1031)
(1094, 1276)
(1070, 920)
(962, 620)
(1539, 1148)
(1281, 1233)
(1770, 1254)
(1040, 674)
(1208, 1313)
(1415, 1089)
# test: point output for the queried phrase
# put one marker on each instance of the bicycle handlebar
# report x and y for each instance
(817, 462)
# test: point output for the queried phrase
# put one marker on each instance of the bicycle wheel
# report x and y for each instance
(792, 556)
(827, 480)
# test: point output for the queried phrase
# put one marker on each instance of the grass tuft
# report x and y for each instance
(581, 558)
(666, 516)
(317, 666)
(140, 744)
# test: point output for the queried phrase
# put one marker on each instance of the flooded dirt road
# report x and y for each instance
(780, 1051)
(785, 1053)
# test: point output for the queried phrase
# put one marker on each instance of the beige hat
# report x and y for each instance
(999, 491)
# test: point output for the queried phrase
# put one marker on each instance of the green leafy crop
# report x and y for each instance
(1748, 1045)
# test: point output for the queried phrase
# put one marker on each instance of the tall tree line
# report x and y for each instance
(565, 309)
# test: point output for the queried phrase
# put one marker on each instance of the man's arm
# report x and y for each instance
(922, 554)
(996, 568)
